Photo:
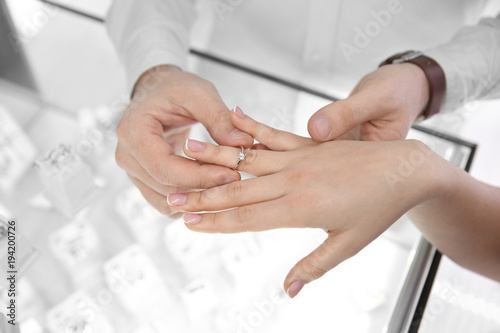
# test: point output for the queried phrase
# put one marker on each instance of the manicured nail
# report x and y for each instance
(294, 289)
(192, 218)
(237, 134)
(238, 112)
(228, 180)
(176, 199)
(321, 126)
(194, 146)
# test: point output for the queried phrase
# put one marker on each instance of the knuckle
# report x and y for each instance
(345, 245)
(420, 145)
(244, 215)
(211, 194)
(346, 112)
(250, 157)
(219, 117)
(267, 133)
(198, 182)
(235, 191)
(214, 222)
(217, 151)
(204, 85)
(122, 131)
(314, 269)
(274, 132)
(354, 114)
(162, 174)
(197, 200)
(137, 146)
(120, 159)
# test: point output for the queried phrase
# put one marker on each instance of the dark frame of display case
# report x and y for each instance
(411, 301)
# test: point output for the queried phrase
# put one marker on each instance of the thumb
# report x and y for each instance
(338, 118)
(334, 250)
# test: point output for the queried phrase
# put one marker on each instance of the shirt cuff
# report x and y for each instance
(142, 54)
(144, 60)
(455, 85)
(470, 62)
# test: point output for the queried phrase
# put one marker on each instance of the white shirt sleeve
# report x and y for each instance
(148, 33)
(471, 63)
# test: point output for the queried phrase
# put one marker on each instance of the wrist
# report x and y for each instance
(436, 79)
(436, 178)
(153, 77)
(421, 88)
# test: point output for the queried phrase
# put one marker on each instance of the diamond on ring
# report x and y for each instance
(241, 158)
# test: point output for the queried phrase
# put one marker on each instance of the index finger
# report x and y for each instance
(254, 162)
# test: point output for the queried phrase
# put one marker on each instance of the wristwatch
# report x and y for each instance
(435, 77)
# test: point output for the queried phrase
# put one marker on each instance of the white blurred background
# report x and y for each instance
(106, 262)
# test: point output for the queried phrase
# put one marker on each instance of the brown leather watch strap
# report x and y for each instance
(435, 77)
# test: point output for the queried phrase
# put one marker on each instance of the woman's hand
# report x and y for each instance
(353, 190)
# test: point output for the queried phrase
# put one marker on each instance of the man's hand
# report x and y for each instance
(165, 103)
(382, 107)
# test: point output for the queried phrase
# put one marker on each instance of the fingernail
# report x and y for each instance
(237, 134)
(192, 218)
(294, 289)
(228, 180)
(238, 112)
(176, 199)
(194, 146)
(321, 126)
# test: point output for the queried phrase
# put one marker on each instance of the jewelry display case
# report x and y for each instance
(108, 262)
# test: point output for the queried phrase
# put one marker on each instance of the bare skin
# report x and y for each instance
(343, 187)
(457, 213)
(165, 103)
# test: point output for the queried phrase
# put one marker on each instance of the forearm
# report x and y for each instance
(464, 223)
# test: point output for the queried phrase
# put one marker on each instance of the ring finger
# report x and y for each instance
(255, 162)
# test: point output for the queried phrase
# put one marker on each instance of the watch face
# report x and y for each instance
(410, 55)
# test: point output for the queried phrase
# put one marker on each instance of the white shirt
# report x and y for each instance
(328, 44)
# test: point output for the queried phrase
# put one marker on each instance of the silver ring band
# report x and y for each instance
(241, 158)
